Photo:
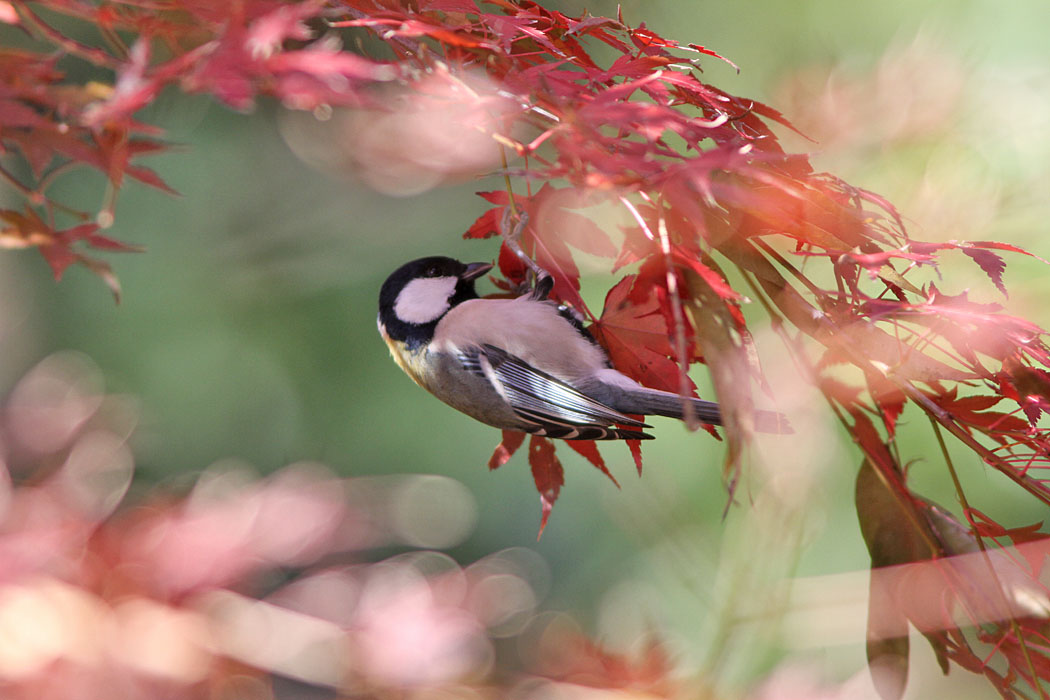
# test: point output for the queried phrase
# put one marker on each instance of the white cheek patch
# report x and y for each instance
(425, 299)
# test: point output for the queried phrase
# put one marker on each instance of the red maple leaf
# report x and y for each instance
(589, 450)
(636, 337)
(510, 443)
(548, 474)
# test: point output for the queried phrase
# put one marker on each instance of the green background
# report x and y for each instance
(247, 329)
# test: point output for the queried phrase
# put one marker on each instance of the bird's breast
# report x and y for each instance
(411, 362)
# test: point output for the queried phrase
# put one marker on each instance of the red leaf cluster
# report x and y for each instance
(547, 471)
(235, 51)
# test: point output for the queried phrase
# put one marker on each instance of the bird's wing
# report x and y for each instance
(554, 407)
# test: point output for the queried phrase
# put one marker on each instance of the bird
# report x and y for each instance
(525, 363)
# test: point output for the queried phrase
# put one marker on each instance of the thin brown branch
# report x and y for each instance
(16, 183)
(771, 252)
(935, 411)
(114, 41)
(47, 178)
(506, 179)
(88, 53)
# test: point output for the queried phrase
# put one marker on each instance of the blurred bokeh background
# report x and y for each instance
(247, 329)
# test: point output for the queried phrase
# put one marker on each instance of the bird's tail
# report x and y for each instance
(662, 403)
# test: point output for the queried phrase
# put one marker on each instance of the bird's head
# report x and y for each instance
(419, 293)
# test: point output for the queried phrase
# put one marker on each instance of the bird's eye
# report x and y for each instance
(431, 271)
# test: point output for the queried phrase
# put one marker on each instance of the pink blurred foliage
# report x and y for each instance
(248, 587)
(215, 591)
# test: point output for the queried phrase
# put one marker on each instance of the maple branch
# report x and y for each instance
(412, 46)
(816, 291)
(928, 338)
(89, 53)
(946, 420)
(688, 411)
(942, 416)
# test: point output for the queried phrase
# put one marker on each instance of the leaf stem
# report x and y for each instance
(88, 53)
(506, 179)
(114, 41)
(16, 183)
(987, 455)
(771, 252)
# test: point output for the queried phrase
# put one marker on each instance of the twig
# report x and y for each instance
(952, 427)
(1015, 628)
(542, 280)
(16, 183)
(506, 180)
(114, 41)
(89, 53)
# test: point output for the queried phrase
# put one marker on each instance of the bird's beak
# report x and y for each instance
(475, 270)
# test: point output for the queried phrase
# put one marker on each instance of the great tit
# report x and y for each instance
(525, 363)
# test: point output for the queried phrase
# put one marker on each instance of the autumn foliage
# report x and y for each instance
(613, 150)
